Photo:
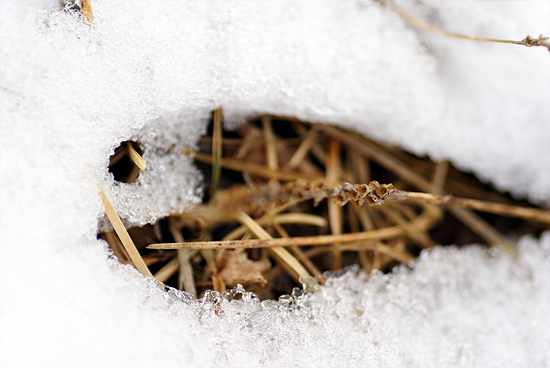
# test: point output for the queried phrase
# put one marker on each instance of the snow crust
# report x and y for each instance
(153, 72)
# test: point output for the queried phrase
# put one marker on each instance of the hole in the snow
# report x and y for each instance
(272, 152)
(127, 162)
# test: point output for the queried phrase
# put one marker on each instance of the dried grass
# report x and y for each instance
(279, 213)
(264, 212)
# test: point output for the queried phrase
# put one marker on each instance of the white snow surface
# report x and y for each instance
(153, 71)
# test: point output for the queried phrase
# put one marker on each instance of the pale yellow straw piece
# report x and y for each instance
(136, 157)
(120, 230)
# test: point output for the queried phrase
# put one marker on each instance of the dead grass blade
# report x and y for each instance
(136, 157)
(217, 150)
(186, 281)
(335, 213)
(217, 281)
(532, 214)
(167, 270)
(286, 218)
(116, 246)
(474, 222)
(270, 142)
(380, 234)
(373, 246)
(308, 140)
(286, 258)
(120, 230)
(300, 255)
(86, 6)
(251, 168)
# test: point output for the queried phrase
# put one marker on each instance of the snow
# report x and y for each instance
(153, 72)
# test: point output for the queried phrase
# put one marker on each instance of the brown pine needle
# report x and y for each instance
(123, 235)
(136, 157)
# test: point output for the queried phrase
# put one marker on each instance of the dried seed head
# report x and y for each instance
(374, 193)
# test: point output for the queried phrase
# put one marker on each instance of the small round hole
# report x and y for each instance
(121, 164)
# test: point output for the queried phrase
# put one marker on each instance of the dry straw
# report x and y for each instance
(282, 173)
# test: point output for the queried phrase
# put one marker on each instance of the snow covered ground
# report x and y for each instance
(152, 71)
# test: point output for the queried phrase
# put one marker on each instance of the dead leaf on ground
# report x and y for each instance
(239, 269)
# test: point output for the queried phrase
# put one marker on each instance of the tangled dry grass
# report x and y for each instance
(280, 210)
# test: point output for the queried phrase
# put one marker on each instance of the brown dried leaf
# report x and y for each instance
(238, 269)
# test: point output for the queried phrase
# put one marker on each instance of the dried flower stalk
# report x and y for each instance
(528, 41)
(373, 194)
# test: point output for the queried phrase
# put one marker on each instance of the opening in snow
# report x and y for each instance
(269, 152)
(125, 163)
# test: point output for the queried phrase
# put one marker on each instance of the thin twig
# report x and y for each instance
(527, 41)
